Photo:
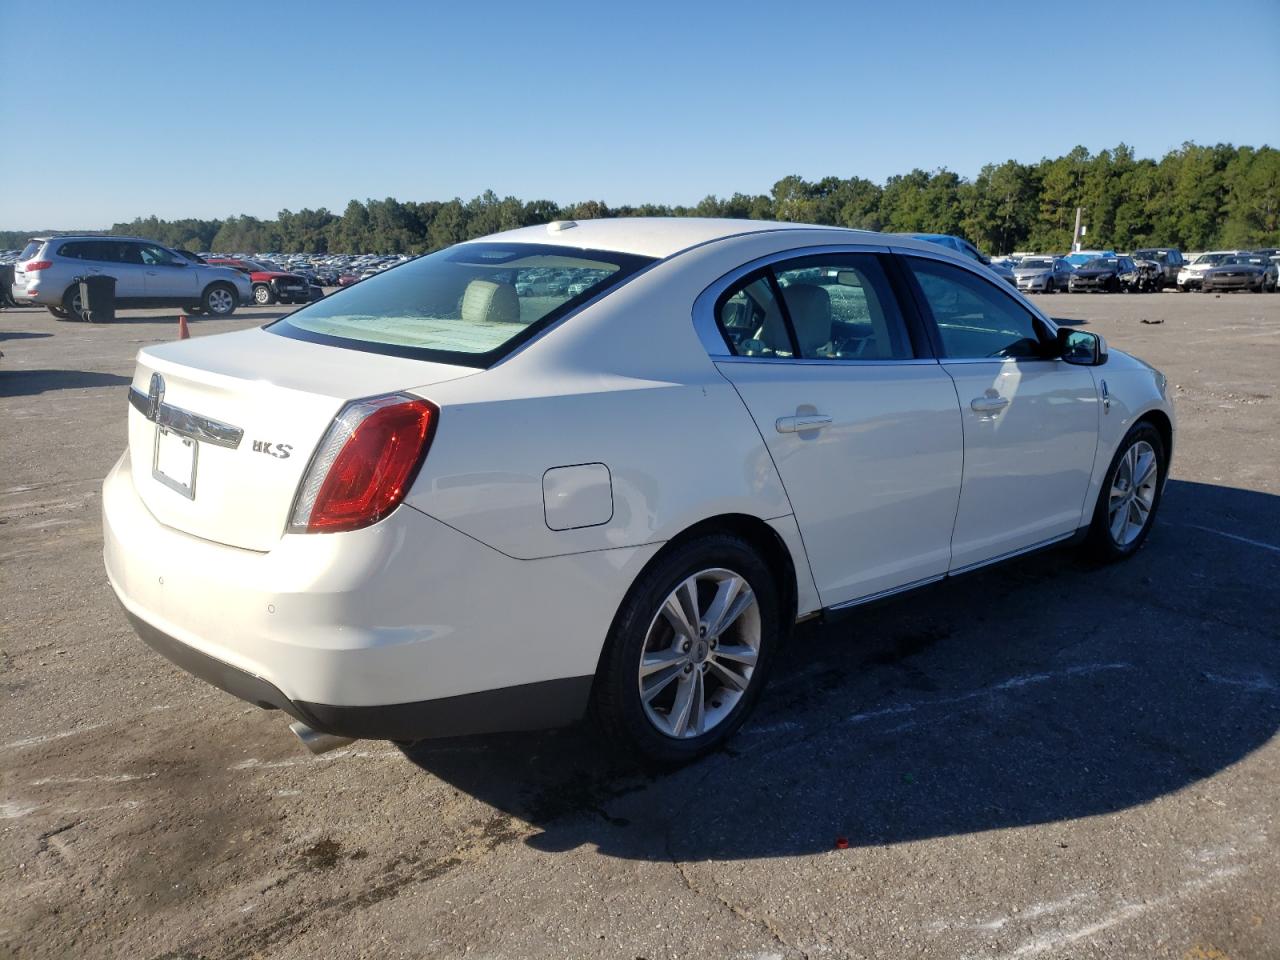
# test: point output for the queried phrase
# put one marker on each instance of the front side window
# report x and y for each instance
(470, 304)
(154, 256)
(975, 318)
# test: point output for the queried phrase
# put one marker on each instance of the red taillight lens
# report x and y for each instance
(33, 265)
(365, 464)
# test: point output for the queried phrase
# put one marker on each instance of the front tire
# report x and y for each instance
(1130, 495)
(689, 651)
(263, 295)
(219, 300)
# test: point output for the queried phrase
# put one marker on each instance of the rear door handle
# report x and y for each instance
(812, 421)
(988, 404)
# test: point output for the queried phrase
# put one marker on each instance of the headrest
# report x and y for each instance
(810, 308)
(487, 302)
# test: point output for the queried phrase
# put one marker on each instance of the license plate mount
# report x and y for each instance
(174, 462)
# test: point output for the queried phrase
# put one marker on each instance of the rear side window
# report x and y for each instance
(827, 307)
(975, 318)
(76, 249)
(469, 304)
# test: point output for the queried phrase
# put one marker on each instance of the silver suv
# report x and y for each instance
(146, 274)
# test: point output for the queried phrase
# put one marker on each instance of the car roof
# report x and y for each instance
(658, 237)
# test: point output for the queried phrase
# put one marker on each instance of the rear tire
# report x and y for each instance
(59, 313)
(219, 300)
(71, 304)
(698, 689)
(1130, 495)
(1048, 287)
(263, 295)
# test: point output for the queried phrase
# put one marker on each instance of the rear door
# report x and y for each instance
(863, 428)
(121, 259)
(1030, 424)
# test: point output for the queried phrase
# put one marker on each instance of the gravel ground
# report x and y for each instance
(1047, 759)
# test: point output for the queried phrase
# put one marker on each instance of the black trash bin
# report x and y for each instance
(98, 298)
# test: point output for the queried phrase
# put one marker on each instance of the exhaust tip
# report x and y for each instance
(318, 742)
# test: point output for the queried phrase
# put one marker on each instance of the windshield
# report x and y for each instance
(1102, 263)
(1211, 258)
(1036, 263)
(469, 304)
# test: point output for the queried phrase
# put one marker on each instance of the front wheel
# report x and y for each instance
(1048, 287)
(1130, 495)
(219, 301)
(689, 651)
(263, 295)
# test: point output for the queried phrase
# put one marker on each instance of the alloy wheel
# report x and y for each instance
(699, 653)
(1133, 493)
(220, 302)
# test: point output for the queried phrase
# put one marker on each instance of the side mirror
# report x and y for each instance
(1081, 348)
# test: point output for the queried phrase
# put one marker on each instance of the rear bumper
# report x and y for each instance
(403, 630)
(530, 706)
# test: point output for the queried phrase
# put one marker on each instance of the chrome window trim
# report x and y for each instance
(704, 305)
(186, 423)
(821, 362)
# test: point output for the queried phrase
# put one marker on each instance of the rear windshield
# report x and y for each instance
(1035, 263)
(470, 304)
(29, 251)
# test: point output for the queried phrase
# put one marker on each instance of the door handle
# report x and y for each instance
(988, 404)
(812, 421)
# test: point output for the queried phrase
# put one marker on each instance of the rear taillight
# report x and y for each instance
(365, 464)
(32, 265)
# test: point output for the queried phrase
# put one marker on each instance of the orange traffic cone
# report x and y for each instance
(183, 331)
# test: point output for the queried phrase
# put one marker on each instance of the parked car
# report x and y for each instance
(1103, 275)
(1146, 277)
(1169, 258)
(963, 246)
(1189, 277)
(1237, 272)
(146, 274)
(348, 279)
(1042, 274)
(270, 283)
(428, 506)
(1270, 264)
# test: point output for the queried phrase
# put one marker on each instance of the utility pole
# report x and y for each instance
(1075, 236)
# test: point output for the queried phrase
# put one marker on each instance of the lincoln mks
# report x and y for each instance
(604, 467)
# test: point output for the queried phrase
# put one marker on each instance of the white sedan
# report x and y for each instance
(606, 466)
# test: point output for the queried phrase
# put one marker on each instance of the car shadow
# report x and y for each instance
(1044, 690)
(20, 383)
(1070, 322)
(22, 335)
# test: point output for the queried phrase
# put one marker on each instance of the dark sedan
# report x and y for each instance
(1238, 272)
(1102, 275)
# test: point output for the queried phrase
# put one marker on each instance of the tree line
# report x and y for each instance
(1195, 197)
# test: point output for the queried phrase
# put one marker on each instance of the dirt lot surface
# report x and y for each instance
(1043, 760)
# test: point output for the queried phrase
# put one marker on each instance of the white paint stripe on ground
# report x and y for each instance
(1232, 536)
(46, 737)
(1055, 940)
(255, 764)
(1013, 683)
(95, 778)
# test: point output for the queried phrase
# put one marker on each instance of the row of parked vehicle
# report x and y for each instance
(146, 274)
(1146, 271)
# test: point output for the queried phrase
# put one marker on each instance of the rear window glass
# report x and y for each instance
(29, 251)
(470, 304)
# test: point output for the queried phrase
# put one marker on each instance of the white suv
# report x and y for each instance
(146, 274)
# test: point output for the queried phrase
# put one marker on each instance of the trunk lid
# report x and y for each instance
(239, 416)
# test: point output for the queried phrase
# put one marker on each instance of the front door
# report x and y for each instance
(865, 434)
(166, 277)
(1030, 424)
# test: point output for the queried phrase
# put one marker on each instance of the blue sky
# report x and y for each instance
(188, 109)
